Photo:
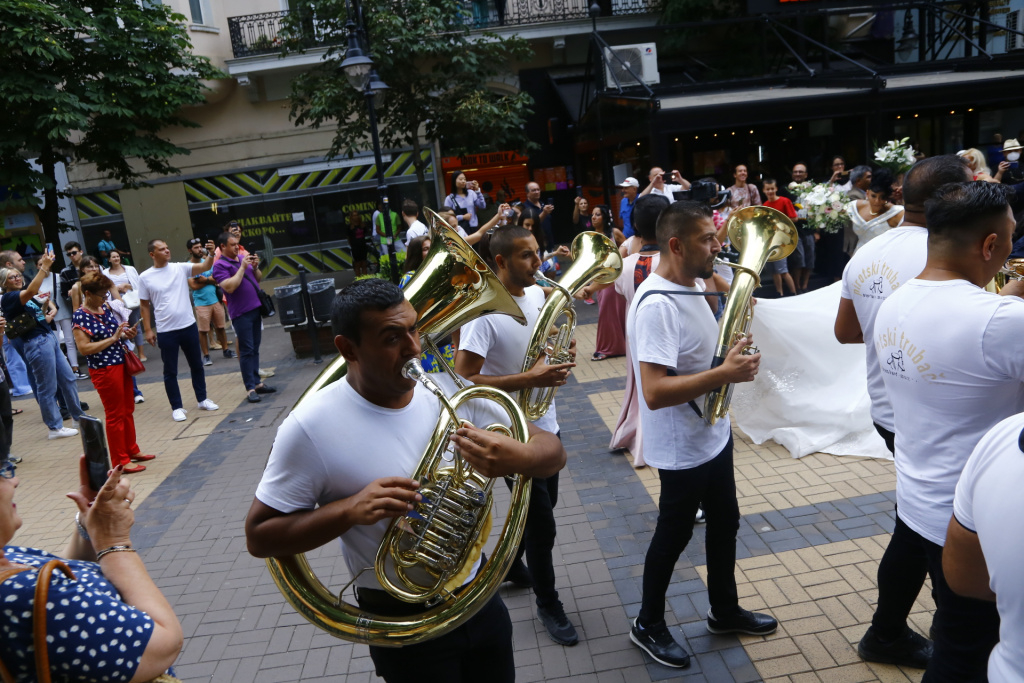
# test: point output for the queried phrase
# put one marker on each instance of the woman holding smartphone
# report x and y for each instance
(99, 335)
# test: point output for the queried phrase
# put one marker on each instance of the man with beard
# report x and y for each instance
(673, 337)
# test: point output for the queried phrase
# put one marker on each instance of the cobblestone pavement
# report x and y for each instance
(811, 536)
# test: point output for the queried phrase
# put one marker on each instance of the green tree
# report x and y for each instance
(437, 72)
(92, 82)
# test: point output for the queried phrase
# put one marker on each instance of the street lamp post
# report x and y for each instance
(362, 75)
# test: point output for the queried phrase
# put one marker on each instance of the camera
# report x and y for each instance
(703, 191)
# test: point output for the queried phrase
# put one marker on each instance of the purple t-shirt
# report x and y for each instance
(244, 298)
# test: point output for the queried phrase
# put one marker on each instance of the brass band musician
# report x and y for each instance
(339, 467)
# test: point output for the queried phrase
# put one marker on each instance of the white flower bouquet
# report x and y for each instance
(896, 155)
(825, 205)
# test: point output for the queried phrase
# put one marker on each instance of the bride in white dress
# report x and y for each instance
(874, 215)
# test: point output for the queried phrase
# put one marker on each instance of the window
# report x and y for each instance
(196, 7)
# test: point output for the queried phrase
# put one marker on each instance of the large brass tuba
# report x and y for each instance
(594, 259)
(452, 287)
(760, 234)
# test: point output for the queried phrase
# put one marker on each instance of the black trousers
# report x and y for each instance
(712, 484)
(539, 538)
(887, 436)
(479, 650)
(965, 630)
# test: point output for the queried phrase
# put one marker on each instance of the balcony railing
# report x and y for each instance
(259, 34)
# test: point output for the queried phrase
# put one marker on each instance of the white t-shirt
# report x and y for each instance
(415, 230)
(310, 466)
(873, 273)
(989, 502)
(63, 307)
(680, 333)
(667, 191)
(167, 291)
(502, 342)
(952, 369)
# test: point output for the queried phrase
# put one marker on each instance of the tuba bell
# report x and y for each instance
(761, 234)
(595, 259)
(453, 286)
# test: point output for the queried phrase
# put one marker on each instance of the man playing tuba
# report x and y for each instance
(491, 351)
(322, 482)
(672, 337)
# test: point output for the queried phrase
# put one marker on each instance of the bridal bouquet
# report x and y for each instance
(897, 156)
(824, 204)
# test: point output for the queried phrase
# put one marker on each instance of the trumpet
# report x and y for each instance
(1013, 269)
(595, 259)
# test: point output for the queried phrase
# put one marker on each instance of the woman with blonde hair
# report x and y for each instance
(976, 160)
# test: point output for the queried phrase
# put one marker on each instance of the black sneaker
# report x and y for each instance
(228, 353)
(910, 649)
(659, 644)
(558, 625)
(519, 575)
(84, 405)
(752, 623)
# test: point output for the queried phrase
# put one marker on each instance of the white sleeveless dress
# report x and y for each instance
(869, 230)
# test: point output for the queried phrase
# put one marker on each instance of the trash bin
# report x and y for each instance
(289, 305)
(321, 295)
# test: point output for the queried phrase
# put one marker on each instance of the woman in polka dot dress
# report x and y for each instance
(98, 335)
(110, 622)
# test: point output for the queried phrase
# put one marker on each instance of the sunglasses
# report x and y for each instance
(7, 470)
(74, 253)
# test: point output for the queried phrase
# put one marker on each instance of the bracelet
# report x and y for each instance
(114, 549)
(81, 529)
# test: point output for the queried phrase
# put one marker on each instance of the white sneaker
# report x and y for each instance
(62, 433)
(140, 399)
(208, 405)
(265, 373)
(206, 361)
(178, 415)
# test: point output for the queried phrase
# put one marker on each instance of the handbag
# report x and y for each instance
(267, 308)
(131, 299)
(39, 622)
(132, 362)
(21, 324)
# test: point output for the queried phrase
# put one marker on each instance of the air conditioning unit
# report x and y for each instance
(642, 60)
(1014, 41)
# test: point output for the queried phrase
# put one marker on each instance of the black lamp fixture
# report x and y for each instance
(909, 40)
(357, 65)
(377, 87)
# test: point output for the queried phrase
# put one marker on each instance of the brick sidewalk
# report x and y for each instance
(811, 535)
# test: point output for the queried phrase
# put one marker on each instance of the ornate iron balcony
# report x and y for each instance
(258, 34)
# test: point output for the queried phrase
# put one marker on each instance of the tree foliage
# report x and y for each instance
(92, 82)
(437, 73)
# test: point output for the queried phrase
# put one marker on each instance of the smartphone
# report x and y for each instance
(549, 201)
(579, 190)
(97, 457)
(49, 247)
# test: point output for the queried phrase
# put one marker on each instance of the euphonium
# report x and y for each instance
(594, 259)
(760, 234)
(452, 287)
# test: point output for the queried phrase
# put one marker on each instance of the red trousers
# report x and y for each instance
(114, 385)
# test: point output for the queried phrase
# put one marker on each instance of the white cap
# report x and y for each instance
(629, 182)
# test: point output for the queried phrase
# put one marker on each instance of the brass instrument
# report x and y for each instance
(452, 286)
(1013, 269)
(761, 234)
(595, 258)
